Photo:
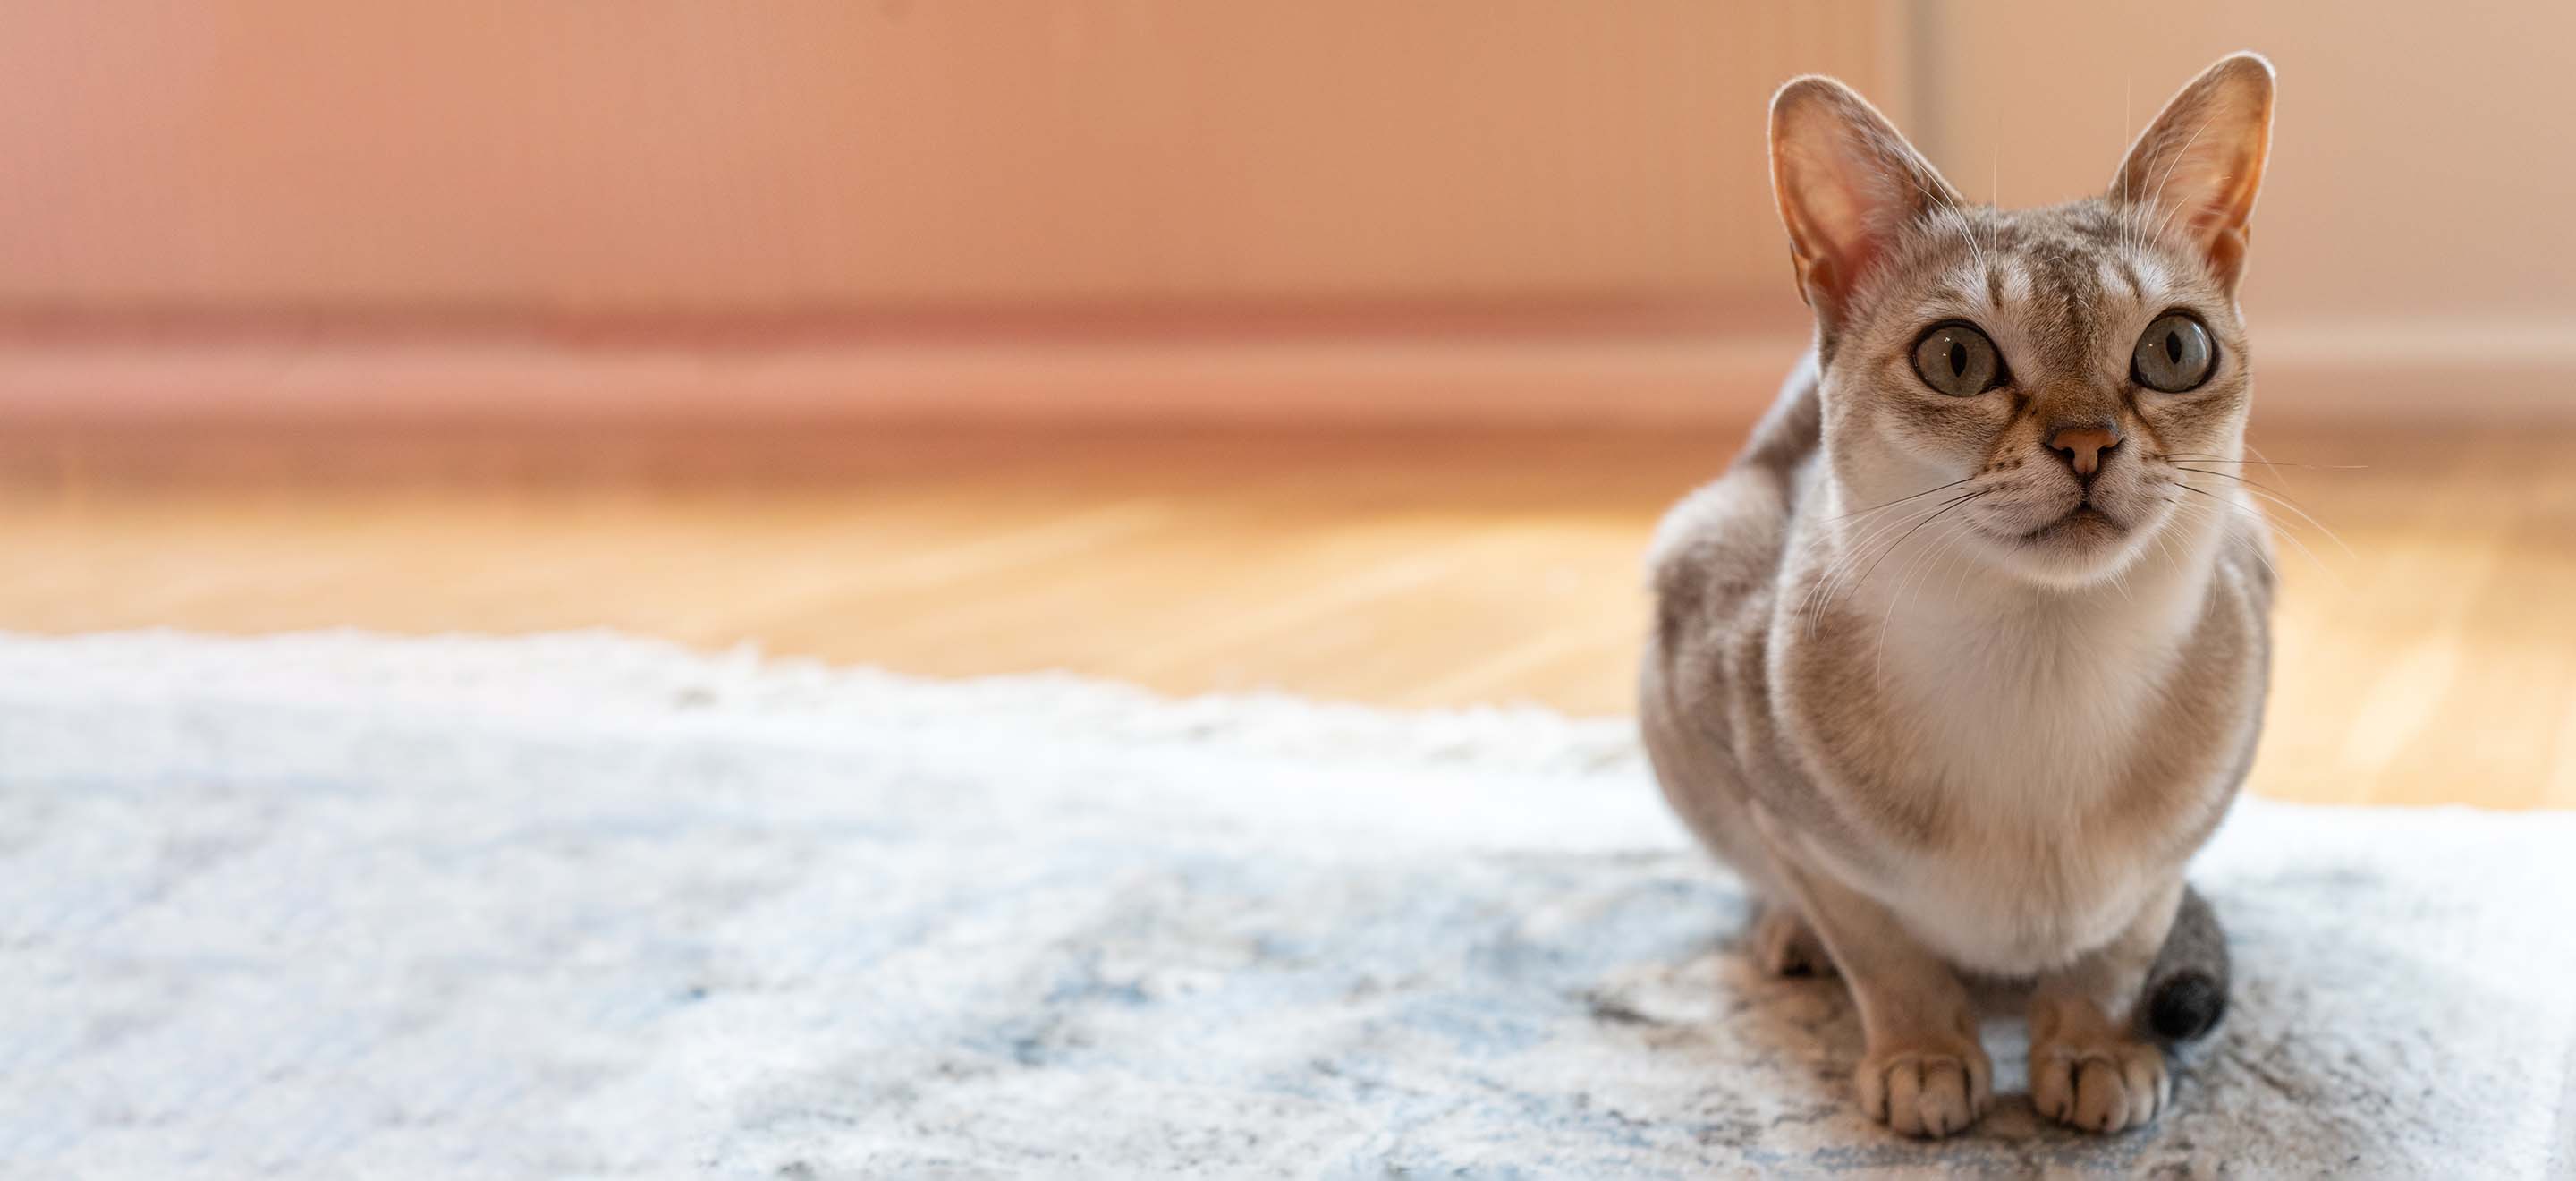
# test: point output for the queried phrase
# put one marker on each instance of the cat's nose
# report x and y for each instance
(2082, 443)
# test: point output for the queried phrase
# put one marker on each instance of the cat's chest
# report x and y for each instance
(1990, 801)
(2005, 736)
(1976, 729)
(2015, 898)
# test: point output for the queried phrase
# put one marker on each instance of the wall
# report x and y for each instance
(2412, 245)
(1343, 208)
(658, 154)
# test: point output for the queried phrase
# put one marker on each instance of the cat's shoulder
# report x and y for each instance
(1717, 552)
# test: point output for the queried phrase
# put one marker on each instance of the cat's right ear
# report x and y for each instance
(1847, 185)
(2193, 173)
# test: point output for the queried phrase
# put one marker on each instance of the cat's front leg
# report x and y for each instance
(2090, 1066)
(1921, 1071)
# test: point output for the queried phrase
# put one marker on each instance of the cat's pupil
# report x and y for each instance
(1958, 358)
(2173, 347)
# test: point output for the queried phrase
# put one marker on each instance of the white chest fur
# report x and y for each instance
(2030, 878)
(2027, 714)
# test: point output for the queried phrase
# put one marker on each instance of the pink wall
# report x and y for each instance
(1087, 195)
(2422, 169)
(662, 153)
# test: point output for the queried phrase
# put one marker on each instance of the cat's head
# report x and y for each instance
(2050, 366)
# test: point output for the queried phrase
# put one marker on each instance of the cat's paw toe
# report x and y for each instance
(1926, 1092)
(2109, 1085)
(1785, 945)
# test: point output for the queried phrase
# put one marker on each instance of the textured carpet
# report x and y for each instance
(590, 906)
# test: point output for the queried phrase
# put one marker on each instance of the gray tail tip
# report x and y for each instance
(2186, 1005)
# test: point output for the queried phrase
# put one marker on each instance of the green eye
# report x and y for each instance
(2174, 354)
(1958, 360)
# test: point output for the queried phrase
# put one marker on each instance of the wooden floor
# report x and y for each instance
(2436, 662)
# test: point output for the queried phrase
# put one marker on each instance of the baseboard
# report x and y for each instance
(1598, 372)
(2409, 372)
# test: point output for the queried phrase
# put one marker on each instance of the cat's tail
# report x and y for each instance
(2186, 991)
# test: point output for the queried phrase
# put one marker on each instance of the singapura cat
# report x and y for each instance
(1966, 654)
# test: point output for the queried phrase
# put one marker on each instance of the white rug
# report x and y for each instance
(590, 906)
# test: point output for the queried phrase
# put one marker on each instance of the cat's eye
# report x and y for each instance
(1958, 360)
(2174, 354)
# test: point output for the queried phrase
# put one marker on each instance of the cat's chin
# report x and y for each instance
(2084, 547)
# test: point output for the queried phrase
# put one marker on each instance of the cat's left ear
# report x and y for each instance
(2193, 173)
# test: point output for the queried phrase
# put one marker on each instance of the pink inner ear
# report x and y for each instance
(1848, 202)
(2193, 172)
(1838, 214)
(2201, 203)
(2201, 200)
(2208, 217)
(1847, 183)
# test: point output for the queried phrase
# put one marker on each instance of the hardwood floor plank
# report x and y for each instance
(2433, 663)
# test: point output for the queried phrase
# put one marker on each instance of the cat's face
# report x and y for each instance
(2039, 380)
(2051, 367)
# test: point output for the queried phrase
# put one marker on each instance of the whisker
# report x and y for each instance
(1958, 578)
(1949, 203)
(2261, 553)
(2258, 454)
(2204, 512)
(2267, 492)
(1901, 499)
(2286, 534)
(1994, 185)
(2322, 467)
(2229, 475)
(1882, 556)
(1968, 231)
(1821, 595)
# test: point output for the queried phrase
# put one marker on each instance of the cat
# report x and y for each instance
(1966, 653)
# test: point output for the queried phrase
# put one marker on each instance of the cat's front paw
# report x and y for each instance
(2103, 1084)
(1926, 1090)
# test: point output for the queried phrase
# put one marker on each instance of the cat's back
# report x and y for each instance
(1717, 553)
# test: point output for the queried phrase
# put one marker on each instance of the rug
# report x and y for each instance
(591, 906)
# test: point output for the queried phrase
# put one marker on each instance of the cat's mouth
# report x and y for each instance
(2085, 522)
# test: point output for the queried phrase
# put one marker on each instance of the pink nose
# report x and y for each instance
(2083, 445)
